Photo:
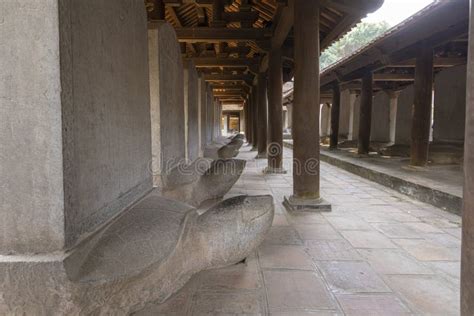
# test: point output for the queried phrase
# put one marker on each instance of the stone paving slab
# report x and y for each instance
(378, 252)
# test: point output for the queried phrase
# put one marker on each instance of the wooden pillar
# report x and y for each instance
(306, 101)
(335, 113)
(158, 12)
(421, 124)
(254, 117)
(365, 115)
(217, 10)
(275, 112)
(262, 115)
(467, 251)
(248, 119)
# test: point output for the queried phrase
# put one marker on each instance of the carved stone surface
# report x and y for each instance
(225, 148)
(193, 186)
(147, 254)
(166, 100)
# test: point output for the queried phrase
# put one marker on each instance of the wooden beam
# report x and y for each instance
(217, 35)
(445, 22)
(394, 77)
(229, 17)
(283, 25)
(439, 62)
(206, 62)
(228, 77)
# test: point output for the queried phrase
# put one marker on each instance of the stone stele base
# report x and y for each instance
(145, 255)
(293, 204)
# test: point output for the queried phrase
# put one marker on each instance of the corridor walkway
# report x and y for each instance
(377, 253)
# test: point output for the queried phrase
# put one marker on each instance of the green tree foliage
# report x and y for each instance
(358, 37)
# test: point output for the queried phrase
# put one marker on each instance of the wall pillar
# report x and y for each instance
(421, 126)
(380, 121)
(354, 113)
(275, 109)
(289, 108)
(262, 115)
(404, 117)
(450, 105)
(325, 120)
(365, 116)
(467, 251)
(335, 113)
(393, 96)
(305, 125)
(345, 112)
(203, 114)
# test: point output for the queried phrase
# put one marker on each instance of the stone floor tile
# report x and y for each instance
(424, 228)
(425, 250)
(297, 312)
(349, 223)
(367, 239)
(426, 295)
(280, 220)
(287, 257)
(228, 279)
(455, 232)
(317, 232)
(393, 261)
(303, 290)
(282, 235)
(452, 269)
(177, 305)
(373, 304)
(396, 230)
(351, 277)
(380, 216)
(306, 218)
(444, 240)
(210, 303)
(331, 250)
(441, 222)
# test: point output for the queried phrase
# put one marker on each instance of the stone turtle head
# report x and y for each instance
(235, 227)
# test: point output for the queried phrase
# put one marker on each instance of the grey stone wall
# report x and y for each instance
(356, 118)
(380, 124)
(325, 120)
(450, 105)
(167, 100)
(210, 115)
(75, 118)
(31, 170)
(345, 113)
(191, 108)
(106, 110)
(202, 113)
(404, 116)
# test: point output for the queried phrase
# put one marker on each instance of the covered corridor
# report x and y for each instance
(377, 253)
(121, 194)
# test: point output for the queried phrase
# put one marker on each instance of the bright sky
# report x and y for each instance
(395, 11)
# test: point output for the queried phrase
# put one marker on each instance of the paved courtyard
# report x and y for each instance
(377, 253)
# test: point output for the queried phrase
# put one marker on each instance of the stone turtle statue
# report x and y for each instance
(145, 255)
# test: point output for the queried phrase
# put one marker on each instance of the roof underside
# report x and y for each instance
(442, 25)
(236, 45)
